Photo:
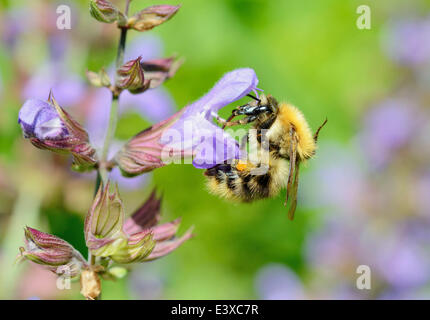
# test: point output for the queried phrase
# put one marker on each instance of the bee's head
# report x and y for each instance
(257, 110)
(265, 104)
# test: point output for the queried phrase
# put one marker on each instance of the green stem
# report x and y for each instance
(104, 168)
(113, 117)
(110, 134)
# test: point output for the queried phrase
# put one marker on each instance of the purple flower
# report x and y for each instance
(210, 144)
(277, 282)
(50, 127)
(189, 132)
(39, 119)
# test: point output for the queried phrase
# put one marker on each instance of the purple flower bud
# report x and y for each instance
(131, 77)
(51, 252)
(151, 17)
(49, 127)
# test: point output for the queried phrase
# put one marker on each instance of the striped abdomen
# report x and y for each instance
(245, 183)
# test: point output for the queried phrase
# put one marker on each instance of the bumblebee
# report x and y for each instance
(281, 130)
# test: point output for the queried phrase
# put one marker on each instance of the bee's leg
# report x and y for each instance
(249, 110)
(318, 131)
(219, 119)
(242, 121)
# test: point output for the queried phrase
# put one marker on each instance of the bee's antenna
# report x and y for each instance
(255, 98)
(318, 131)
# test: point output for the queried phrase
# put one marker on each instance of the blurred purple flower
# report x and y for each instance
(408, 41)
(147, 46)
(337, 244)
(146, 282)
(14, 22)
(387, 128)
(210, 144)
(423, 194)
(402, 261)
(69, 88)
(278, 282)
(337, 181)
(58, 44)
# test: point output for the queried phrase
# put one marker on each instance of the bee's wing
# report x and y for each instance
(292, 185)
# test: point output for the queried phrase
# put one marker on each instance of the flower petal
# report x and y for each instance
(210, 144)
(233, 86)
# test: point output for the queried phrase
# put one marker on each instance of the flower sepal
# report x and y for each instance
(108, 237)
(131, 77)
(104, 11)
(98, 79)
(151, 17)
(52, 252)
(145, 151)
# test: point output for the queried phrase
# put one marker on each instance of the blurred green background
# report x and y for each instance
(309, 53)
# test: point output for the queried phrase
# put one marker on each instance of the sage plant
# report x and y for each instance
(113, 242)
